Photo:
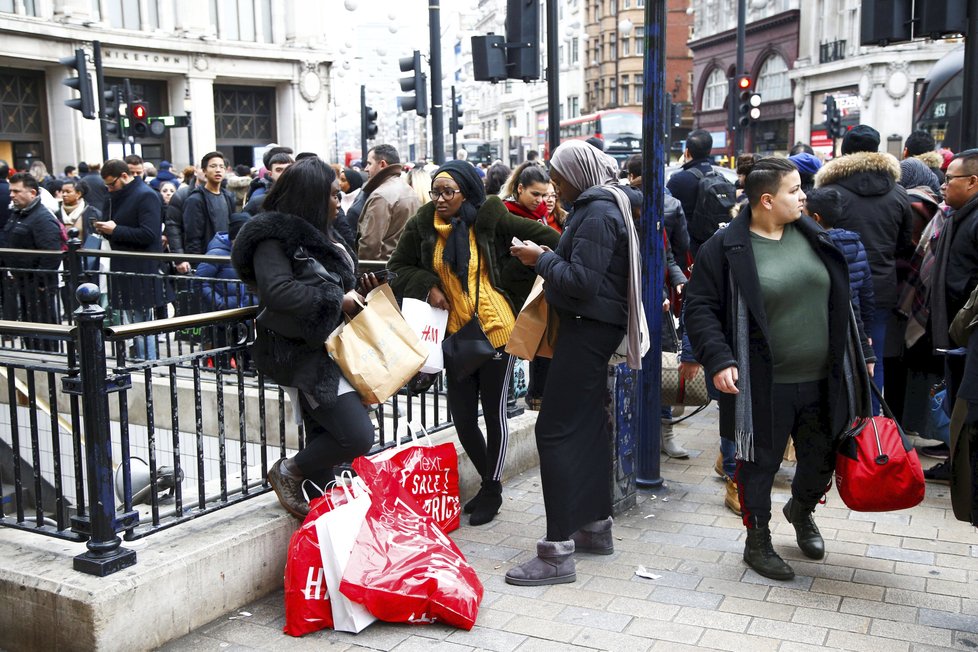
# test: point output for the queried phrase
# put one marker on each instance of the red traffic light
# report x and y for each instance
(743, 82)
(139, 112)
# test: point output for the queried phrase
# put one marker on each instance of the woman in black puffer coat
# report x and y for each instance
(304, 277)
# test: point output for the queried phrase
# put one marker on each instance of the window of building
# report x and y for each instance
(573, 106)
(597, 10)
(624, 89)
(10, 7)
(772, 82)
(244, 115)
(639, 82)
(237, 20)
(124, 14)
(639, 40)
(612, 47)
(715, 91)
(639, 3)
(574, 54)
(614, 92)
(626, 43)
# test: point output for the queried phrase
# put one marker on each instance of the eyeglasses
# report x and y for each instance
(449, 195)
(952, 177)
(550, 195)
(110, 184)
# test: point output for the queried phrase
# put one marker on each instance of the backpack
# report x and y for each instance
(715, 200)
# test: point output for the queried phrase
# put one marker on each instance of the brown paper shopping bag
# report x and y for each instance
(535, 331)
(376, 350)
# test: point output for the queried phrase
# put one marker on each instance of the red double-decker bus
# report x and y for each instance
(939, 98)
(621, 130)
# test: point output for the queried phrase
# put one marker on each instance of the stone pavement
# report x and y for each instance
(899, 582)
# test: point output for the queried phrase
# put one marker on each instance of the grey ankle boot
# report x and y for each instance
(669, 444)
(554, 564)
(595, 538)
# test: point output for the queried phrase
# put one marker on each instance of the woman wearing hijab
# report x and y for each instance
(592, 280)
(454, 253)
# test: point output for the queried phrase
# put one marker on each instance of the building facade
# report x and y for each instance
(770, 52)
(249, 73)
(798, 53)
(871, 85)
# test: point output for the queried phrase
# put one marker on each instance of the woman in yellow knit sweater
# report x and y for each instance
(453, 253)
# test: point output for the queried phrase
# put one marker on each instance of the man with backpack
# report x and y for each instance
(707, 197)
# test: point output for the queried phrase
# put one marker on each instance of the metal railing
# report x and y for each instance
(96, 443)
(832, 51)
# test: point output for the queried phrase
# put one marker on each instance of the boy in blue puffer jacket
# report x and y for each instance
(824, 205)
(221, 288)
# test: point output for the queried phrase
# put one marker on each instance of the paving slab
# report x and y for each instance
(887, 583)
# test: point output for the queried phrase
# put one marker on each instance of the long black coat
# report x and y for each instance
(711, 323)
(137, 211)
(302, 315)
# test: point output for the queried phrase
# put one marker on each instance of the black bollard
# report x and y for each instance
(105, 554)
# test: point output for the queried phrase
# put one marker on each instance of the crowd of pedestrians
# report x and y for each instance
(759, 279)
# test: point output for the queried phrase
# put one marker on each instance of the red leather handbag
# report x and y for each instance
(876, 467)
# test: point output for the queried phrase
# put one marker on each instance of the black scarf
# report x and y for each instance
(456, 254)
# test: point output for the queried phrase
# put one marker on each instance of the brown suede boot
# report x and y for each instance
(554, 564)
(731, 497)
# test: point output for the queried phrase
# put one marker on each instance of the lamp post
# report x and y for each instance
(188, 106)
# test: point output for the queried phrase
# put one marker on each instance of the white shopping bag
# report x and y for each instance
(337, 531)
(429, 323)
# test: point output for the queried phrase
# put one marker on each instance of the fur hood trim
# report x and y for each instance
(846, 166)
(933, 160)
(293, 232)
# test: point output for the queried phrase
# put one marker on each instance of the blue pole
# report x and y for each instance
(647, 405)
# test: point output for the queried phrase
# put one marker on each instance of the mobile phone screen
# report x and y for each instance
(517, 242)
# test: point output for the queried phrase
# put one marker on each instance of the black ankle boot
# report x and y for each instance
(759, 554)
(474, 501)
(488, 505)
(806, 532)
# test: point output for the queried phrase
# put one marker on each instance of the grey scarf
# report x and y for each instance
(743, 415)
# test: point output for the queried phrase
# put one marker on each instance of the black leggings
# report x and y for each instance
(490, 382)
(334, 435)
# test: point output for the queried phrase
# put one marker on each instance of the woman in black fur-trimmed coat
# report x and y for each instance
(304, 277)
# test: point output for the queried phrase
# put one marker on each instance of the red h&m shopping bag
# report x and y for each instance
(404, 568)
(307, 607)
(429, 473)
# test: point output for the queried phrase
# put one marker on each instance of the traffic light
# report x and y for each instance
(833, 118)
(417, 83)
(744, 84)
(754, 101)
(489, 58)
(138, 119)
(85, 102)
(110, 111)
(676, 114)
(455, 120)
(523, 39)
(369, 122)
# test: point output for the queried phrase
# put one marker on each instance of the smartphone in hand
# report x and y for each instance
(517, 242)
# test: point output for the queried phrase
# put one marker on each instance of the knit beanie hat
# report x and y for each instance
(861, 138)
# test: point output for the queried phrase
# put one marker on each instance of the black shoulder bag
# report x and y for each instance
(467, 348)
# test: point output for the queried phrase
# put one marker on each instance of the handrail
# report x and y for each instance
(36, 328)
(177, 323)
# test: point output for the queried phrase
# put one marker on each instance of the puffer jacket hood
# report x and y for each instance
(865, 173)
